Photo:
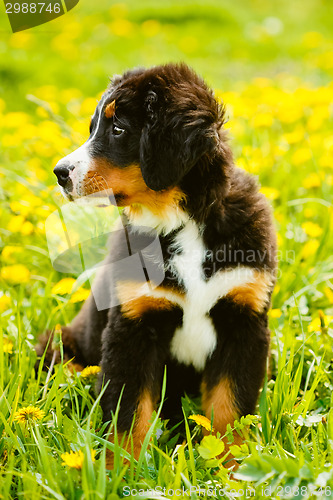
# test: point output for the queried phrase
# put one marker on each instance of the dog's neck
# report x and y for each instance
(164, 221)
(207, 185)
(204, 188)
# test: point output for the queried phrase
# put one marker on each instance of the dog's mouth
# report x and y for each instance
(115, 199)
(118, 199)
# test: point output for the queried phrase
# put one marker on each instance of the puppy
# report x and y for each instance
(157, 147)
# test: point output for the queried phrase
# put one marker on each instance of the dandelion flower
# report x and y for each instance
(4, 303)
(80, 295)
(75, 459)
(9, 251)
(301, 156)
(275, 313)
(121, 27)
(312, 181)
(15, 274)
(28, 414)
(15, 223)
(329, 294)
(311, 229)
(321, 322)
(90, 371)
(64, 286)
(8, 346)
(310, 248)
(262, 120)
(270, 192)
(202, 421)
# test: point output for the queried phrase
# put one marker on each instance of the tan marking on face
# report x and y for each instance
(129, 184)
(132, 443)
(138, 298)
(255, 294)
(110, 109)
(220, 401)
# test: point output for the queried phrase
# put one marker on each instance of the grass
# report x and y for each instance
(272, 65)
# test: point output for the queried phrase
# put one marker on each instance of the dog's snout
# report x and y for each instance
(62, 170)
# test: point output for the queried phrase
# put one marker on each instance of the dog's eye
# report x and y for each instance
(117, 130)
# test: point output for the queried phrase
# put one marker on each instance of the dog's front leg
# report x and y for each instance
(132, 364)
(235, 372)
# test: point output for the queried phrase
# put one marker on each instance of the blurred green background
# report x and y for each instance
(226, 41)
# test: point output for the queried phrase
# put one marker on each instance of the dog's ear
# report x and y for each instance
(175, 135)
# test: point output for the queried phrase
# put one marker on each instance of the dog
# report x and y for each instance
(158, 144)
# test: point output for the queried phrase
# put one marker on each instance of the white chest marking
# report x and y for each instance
(196, 340)
(170, 221)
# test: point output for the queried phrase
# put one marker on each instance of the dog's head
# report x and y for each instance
(150, 128)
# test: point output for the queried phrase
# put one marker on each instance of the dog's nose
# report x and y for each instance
(62, 170)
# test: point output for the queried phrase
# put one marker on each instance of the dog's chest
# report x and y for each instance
(196, 339)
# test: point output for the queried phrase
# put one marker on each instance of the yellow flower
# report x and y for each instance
(296, 135)
(311, 181)
(75, 459)
(317, 119)
(262, 120)
(270, 192)
(279, 240)
(20, 208)
(15, 223)
(329, 294)
(28, 414)
(319, 323)
(15, 119)
(64, 286)
(90, 371)
(202, 421)
(80, 295)
(4, 302)
(15, 274)
(275, 313)
(121, 27)
(300, 156)
(27, 228)
(8, 346)
(310, 248)
(326, 160)
(311, 229)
